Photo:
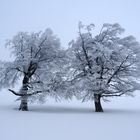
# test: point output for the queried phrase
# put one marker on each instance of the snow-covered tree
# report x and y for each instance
(104, 64)
(34, 54)
(57, 82)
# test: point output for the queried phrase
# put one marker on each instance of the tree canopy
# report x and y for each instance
(97, 65)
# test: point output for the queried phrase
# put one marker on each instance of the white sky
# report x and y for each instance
(63, 17)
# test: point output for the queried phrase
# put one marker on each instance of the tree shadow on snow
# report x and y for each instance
(61, 109)
(122, 111)
(73, 110)
(82, 110)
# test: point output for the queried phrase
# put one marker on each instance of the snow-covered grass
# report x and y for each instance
(70, 120)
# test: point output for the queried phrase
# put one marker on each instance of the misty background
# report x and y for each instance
(62, 17)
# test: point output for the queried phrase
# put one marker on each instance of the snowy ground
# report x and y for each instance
(70, 120)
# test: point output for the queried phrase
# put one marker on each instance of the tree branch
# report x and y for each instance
(117, 95)
(15, 93)
(36, 92)
(113, 95)
(85, 52)
(40, 46)
(117, 70)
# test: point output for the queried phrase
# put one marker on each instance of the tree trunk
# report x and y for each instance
(24, 104)
(24, 98)
(97, 101)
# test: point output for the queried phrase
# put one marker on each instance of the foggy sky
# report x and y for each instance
(63, 17)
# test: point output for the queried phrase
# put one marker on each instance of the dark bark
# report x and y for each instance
(97, 101)
(24, 104)
(24, 101)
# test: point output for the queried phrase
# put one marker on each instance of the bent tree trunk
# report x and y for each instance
(24, 100)
(97, 101)
(25, 85)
